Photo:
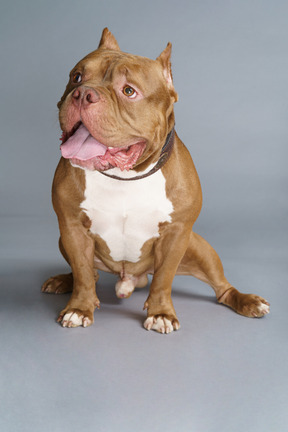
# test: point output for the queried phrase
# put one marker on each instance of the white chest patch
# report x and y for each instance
(125, 214)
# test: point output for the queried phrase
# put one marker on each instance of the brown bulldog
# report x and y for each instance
(126, 191)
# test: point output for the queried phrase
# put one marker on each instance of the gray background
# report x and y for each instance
(220, 372)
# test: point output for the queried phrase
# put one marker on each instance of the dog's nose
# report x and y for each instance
(85, 96)
(90, 96)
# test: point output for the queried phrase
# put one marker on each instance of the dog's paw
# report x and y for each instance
(253, 306)
(124, 288)
(161, 324)
(74, 319)
(249, 305)
(258, 307)
(60, 284)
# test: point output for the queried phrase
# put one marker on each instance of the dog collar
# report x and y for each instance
(163, 158)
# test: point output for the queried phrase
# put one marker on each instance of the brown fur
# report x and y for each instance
(178, 250)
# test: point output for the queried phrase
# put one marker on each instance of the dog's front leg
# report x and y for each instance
(79, 249)
(168, 252)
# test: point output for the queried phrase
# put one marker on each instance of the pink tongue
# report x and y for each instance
(81, 145)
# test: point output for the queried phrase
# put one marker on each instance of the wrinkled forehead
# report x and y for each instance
(109, 66)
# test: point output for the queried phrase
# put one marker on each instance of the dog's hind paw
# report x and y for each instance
(262, 309)
(249, 305)
(161, 324)
(59, 284)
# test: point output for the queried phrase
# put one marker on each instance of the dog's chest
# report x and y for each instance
(125, 214)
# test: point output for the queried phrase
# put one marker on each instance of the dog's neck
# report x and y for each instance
(163, 158)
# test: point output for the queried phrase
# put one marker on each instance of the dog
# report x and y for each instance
(126, 192)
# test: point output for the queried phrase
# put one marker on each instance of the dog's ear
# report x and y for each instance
(108, 41)
(164, 60)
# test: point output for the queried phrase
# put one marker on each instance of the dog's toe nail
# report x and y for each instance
(86, 322)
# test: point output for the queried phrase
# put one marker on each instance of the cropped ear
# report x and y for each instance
(108, 41)
(164, 60)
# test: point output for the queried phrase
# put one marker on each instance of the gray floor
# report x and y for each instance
(220, 372)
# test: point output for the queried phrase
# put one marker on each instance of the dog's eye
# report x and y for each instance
(77, 78)
(129, 91)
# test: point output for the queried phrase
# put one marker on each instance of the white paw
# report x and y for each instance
(263, 309)
(72, 319)
(124, 288)
(161, 324)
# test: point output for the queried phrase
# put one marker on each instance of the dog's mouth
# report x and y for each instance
(84, 150)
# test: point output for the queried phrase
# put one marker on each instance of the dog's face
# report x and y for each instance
(117, 108)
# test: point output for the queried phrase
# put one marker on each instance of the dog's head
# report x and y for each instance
(117, 108)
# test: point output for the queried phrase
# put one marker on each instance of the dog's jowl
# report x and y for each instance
(126, 192)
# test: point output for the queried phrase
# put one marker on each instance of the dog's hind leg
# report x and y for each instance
(202, 261)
